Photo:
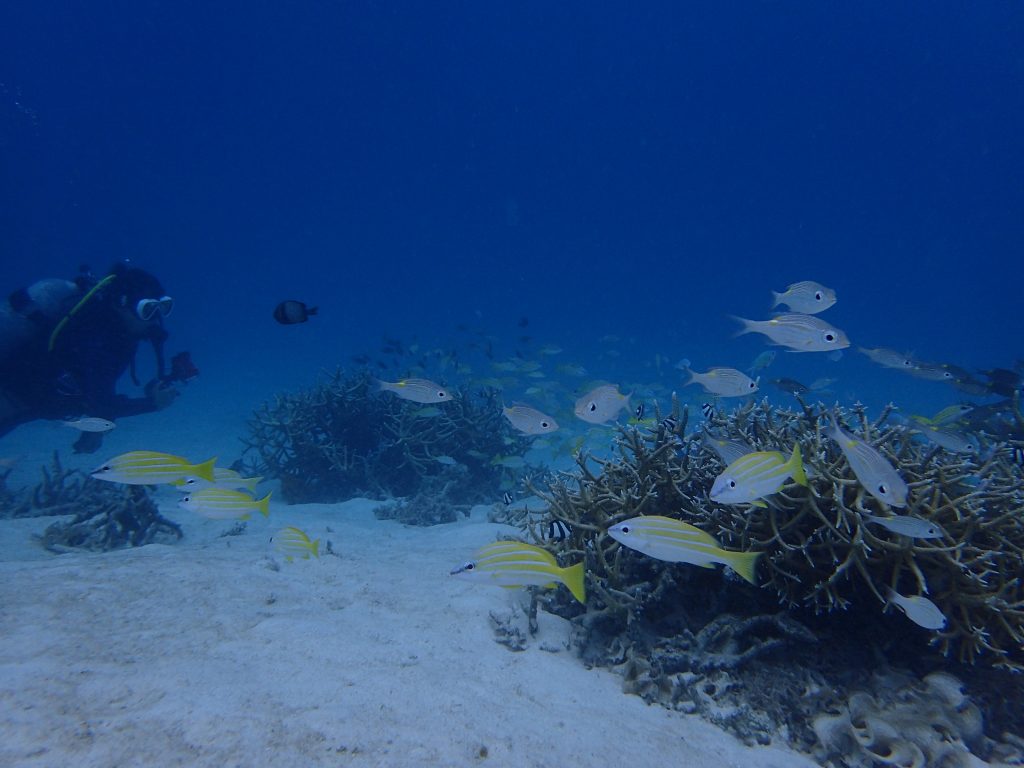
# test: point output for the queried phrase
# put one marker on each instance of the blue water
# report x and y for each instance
(613, 179)
(641, 171)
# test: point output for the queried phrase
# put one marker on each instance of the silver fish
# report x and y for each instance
(727, 450)
(724, 382)
(529, 420)
(806, 296)
(872, 469)
(888, 358)
(90, 424)
(800, 333)
(416, 390)
(952, 441)
(918, 609)
(906, 525)
(601, 404)
(931, 372)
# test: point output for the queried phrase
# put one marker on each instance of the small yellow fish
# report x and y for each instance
(514, 564)
(224, 504)
(293, 542)
(757, 474)
(418, 390)
(151, 468)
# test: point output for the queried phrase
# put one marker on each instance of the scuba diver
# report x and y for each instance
(64, 345)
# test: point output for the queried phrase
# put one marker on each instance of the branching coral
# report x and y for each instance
(342, 439)
(105, 515)
(821, 551)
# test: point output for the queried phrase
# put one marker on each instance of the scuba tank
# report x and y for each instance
(30, 312)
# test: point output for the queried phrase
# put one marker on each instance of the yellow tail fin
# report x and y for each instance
(205, 470)
(796, 466)
(745, 564)
(572, 577)
(263, 505)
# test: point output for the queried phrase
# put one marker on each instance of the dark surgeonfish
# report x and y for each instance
(290, 312)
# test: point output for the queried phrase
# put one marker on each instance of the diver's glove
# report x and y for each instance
(161, 394)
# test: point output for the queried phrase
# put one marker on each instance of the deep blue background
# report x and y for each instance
(640, 169)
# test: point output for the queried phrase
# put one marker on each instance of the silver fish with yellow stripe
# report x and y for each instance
(417, 390)
(674, 541)
(529, 420)
(872, 469)
(224, 504)
(151, 468)
(513, 564)
(806, 296)
(756, 475)
(727, 450)
(724, 382)
(798, 332)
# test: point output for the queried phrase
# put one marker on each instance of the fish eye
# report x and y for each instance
(442, 393)
(883, 489)
(544, 425)
(469, 566)
(624, 529)
(752, 385)
(732, 483)
(817, 295)
(830, 337)
(592, 407)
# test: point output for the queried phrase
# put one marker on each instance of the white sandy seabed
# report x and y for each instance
(216, 652)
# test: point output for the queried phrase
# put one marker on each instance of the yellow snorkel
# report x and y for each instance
(64, 321)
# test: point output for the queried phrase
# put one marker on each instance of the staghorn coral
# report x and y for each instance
(820, 552)
(105, 515)
(341, 439)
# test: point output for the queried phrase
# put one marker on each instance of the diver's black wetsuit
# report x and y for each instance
(79, 375)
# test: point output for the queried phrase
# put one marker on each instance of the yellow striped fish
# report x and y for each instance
(674, 541)
(224, 504)
(151, 468)
(516, 564)
(293, 542)
(756, 475)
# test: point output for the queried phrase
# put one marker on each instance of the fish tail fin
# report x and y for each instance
(263, 505)
(314, 547)
(776, 299)
(572, 577)
(796, 466)
(252, 482)
(747, 325)
(312, 310)
(205, 470)
(745, 564)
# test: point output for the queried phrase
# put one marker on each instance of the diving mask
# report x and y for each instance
(147, 309)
